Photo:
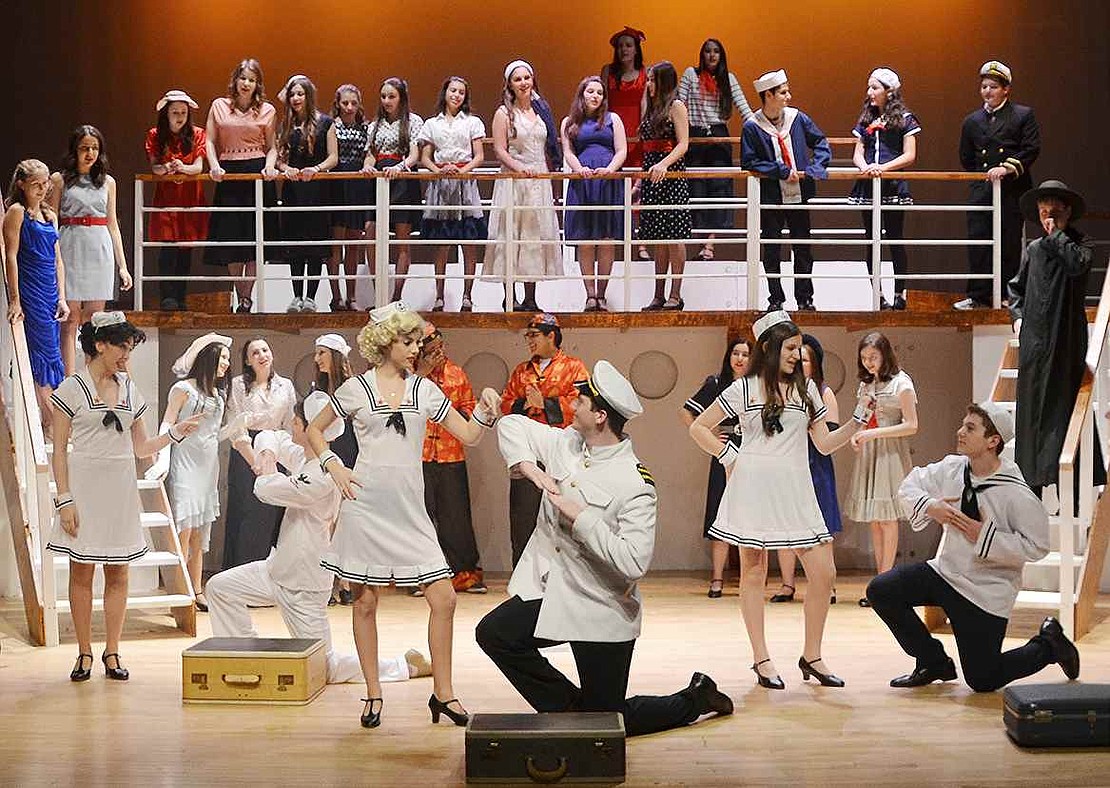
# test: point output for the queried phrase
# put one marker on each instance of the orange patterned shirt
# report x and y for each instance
(439, 444)
(556, 383)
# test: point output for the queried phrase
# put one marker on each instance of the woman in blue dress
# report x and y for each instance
(886, 140)
(35, 276)
(594, 143)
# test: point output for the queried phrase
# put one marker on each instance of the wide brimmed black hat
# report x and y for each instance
(1048, 189)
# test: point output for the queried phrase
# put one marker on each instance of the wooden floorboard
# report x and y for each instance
(139, 733)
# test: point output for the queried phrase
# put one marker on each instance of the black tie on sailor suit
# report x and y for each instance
(969, 500)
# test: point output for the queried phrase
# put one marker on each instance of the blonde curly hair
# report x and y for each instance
(375, 338)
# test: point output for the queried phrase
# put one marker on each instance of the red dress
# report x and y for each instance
(624, 99)
(177, 226)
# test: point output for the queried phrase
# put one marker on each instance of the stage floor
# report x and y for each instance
(139, 733)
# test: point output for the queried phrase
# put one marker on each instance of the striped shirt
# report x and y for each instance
(702, 106)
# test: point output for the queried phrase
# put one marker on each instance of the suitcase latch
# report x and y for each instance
(1042, 715)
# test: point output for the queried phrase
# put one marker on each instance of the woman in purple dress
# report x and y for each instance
(594, 143)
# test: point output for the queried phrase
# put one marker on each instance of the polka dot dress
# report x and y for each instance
(663, 224)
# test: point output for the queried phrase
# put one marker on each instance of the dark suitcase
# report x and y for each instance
(545, 748)
(1058, 715)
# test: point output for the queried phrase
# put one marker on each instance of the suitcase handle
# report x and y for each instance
(544, 775)
(248, 679)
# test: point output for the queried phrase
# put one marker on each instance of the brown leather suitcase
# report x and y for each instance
(574, 747)
(1058, 715)
(286, 671)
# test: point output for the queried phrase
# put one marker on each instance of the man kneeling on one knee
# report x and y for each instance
(291, 577)
(576, 580)
(993, 525)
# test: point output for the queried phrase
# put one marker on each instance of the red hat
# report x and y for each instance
(545, 320)
(628, 31)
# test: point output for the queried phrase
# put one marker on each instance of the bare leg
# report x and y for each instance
(718, 552)
(587, 259)
(80, 603)
(604, 267)
(404, 260)
(820, 577)
(661, 258)
(79, 312)
(677, 254)
(115, 604)
(364, 622)
(194, 557)
(441, 270)
(787, 567)
(441, 620)
(709, 242)
(753, 575)
(877, 545)
(888, 532)
(354, 255)
(46, 413)
(470, 265)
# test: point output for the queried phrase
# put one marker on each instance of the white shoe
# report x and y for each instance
(968, 304)
(308, 305)
(296, 305)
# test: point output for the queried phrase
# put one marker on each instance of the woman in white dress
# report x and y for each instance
(384, 536)
(769, 501)
(98, 495)
(194, 465)
(520, 140)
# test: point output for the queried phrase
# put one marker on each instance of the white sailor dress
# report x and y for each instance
(102, 477)
(384, 535)
(769, 501)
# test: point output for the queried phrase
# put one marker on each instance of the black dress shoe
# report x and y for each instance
(80, 672)
(774, 682)
(118, 673)
(806, 306)
(438, 707)
(371, 716)
(900, 302)
(945, 671)
(656, 305)
(773, 305)
(1064, 652)
(826, 679)
(716, 589)
(884, 305)
(784, 597)
(707, 698)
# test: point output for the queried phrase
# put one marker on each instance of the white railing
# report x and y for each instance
(378, 248)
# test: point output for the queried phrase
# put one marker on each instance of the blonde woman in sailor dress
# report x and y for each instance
(769, 501)
(98, 433)
(384, 535)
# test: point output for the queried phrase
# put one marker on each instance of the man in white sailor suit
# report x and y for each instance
(291, 577)
(577, 579)
(993, 524)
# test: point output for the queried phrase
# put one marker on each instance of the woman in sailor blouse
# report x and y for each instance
(384, 536)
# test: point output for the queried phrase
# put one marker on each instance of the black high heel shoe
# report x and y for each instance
(118, 673)
(826, 679)
(784, 597)
(79, 672)
(716, 588)
(770, 683)
(370, 718)
(437, 707)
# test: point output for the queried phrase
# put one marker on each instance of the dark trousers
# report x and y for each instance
(298, 268)
(716, 189)
(771, 228)
(447, 499)
(524, 507)
(978, 634)
(174, 262)
(894, 223)
(979, 228)
(507, 635)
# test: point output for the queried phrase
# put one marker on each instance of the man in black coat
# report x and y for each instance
(1001, 140)
(1047, 304)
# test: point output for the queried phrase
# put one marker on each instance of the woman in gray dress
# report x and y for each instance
(83, 195)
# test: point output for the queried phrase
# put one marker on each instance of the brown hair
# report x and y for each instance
(766, 364)
(24, 170)
(890, 368)
(306, 123)
(578, 113)
(337, 374)
(989, 429)
(259, 95)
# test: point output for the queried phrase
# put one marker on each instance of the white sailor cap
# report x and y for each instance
(104, 319)
(768, 321)
(185, 361)
(996, 69)
(313, 404)
(607, 384)
(383, 313)
(770, 80)
(887, 76)
(333, 342)
(1002, 419)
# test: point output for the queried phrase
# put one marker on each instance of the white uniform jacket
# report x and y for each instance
(311, 502)
(586, 571)
(1015, 530)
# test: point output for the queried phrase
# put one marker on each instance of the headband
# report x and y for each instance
(509, 69)
(887, 77)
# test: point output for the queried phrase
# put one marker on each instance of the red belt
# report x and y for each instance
(387, 157)
(657, 146)
(85, 221)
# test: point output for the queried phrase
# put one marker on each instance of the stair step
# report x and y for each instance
(1039, 598)
(1008, 374)
(138, 602)
(154, 520)
(1006, 404)
(1053, 559)
(152, 558)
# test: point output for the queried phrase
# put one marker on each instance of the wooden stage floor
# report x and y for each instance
(139, 733)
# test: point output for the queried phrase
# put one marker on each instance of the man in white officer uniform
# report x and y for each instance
(576, 580)
(994, 524)
(291, 577)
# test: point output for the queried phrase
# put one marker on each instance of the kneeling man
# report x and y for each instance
(994, 525)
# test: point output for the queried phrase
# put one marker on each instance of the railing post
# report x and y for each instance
(510, 246)
(755, 233)
(996, 247)
(1066, 519)
(259, 245)
(876, 240)
(137, 265)
(626, 244)
(39, 492)
(381, 241)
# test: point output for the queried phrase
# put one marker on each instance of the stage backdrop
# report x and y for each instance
(87, 61)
